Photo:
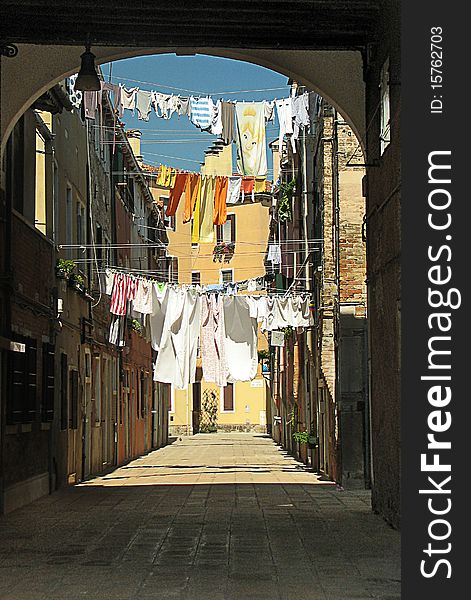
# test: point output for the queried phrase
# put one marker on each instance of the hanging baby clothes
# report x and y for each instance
(227, 118)
(128, 98)
(202, 112)
(213, 340)
(143, 300)
(240, 339)
(183, 107)
(176, 193)
(206, 227)
(220, 196)
(251, 141)
(283, 110)
(192, 193)
(143, 104)
(233, 190)
(300, 112)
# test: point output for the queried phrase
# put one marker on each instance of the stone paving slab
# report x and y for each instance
(213, 517)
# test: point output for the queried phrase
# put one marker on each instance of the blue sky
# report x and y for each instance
(176, 142)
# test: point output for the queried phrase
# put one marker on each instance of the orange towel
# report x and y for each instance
(192, 192)
(176, 193)
(248, 184)
(220, 196)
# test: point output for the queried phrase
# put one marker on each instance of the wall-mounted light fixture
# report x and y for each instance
(87, 78)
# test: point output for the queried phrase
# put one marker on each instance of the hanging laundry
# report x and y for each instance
(75, 96)
(216, 124)
(258, 307)
(202, 110)
(300, 112)
(206, 226)
(109, 280)
(128, 98)
(143, 301)
(176, 193)
(269, 110)
(260, 185)
(120, 294)
(240, 339)
(274, 254)
(195, 227)
(248, 184)
(233, 190)
(90, 101)
(285, 118)
(227, 118)
(213, 340)
(251, 285)
(251, 142)
(220, 197)
(192, 192)
(157, 317)
(176, 360)
(143, 104)
(183, 107)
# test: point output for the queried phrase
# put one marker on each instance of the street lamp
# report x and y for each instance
(87, 78)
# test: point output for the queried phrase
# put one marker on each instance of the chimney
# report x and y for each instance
(134, 138)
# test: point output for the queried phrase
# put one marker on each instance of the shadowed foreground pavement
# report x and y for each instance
(215, 516)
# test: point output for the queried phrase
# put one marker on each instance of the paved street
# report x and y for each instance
(216, 516)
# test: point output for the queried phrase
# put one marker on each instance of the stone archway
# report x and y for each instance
(336, 76)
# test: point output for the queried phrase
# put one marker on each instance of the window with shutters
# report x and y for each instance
(228, 398)
(47, 404)
(64, 391)
(73, 398)
(227, 232)
(22, 400)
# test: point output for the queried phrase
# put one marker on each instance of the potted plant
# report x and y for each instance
(284, 203)
(77, 281)
(64, 268)
(136, 326)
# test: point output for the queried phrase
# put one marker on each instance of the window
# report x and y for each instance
(226, 276)
(73, 398)
(196, 278)
(172, 267)
(97, 389)
(40, 208)
(47, 405)
(64, 391)
(80, 223)
(22, 400)
(385, 115)
(228, 398)
(227, 232)
(68, 219)
(169, 222)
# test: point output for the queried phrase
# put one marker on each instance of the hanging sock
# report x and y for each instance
(251, 141)
(176, 193)
(220, 196)
(192, 193)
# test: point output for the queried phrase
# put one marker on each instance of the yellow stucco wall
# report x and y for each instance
(252, 223)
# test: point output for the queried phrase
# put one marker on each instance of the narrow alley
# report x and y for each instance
(213, 516)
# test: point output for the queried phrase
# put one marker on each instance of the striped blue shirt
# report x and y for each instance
(202, 110)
